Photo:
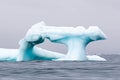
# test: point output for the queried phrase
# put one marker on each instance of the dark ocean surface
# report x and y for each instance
(59, 70)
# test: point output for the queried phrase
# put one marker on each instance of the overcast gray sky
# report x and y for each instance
(17, 16)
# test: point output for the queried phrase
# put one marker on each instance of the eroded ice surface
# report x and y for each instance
(75, 38)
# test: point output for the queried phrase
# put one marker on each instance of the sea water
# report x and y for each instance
(62, 70)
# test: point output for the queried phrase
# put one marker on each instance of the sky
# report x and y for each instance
(17, 16)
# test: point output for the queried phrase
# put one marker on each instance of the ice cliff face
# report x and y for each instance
(75, 38)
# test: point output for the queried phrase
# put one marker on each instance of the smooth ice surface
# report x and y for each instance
(95, 58)
(75, 38)
(8, 54)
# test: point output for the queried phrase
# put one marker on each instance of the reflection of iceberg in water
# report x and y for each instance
(76, 39)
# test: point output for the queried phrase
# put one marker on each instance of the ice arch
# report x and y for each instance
(75, 38)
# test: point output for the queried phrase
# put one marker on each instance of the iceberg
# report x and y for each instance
(75, 38)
